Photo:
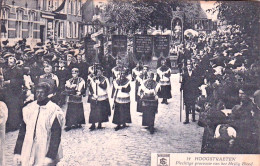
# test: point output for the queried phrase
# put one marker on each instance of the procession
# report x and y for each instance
(179, 85)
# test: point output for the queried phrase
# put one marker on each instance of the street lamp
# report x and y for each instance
(26, 5)
(13, 2)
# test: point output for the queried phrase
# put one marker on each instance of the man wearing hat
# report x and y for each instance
(63, 75)
(121, 95)
(39, 138)
(13, 82)
(99, 104)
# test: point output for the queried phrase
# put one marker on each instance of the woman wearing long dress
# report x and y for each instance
(75, 88)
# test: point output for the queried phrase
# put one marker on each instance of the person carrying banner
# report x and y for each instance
(75, 88)
(149, 101)
(121, 95)
(99, 103)
(163, 77)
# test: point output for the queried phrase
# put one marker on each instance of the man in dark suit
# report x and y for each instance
(190, 90)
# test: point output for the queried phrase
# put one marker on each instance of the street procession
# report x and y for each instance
(108, 82)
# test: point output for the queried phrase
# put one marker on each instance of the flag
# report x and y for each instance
(88, 11)
(60, 7)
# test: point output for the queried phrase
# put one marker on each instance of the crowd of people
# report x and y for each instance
(37, 82)
(220, 80)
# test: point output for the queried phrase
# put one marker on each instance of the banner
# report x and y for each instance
(161, 45)
(143, 47)
(119, 45)
(90, 51)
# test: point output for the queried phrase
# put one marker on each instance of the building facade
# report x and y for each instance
(41, 20)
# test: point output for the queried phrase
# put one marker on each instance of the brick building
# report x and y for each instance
(41, 20)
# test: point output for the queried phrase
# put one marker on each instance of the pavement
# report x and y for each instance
(131, 146)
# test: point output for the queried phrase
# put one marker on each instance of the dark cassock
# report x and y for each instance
(190, 89)
(121, 94)
(13, 78)
(149, 101)
(139, 81)
(163, 77)
(98, 98)
(63, 75)
(75, 88)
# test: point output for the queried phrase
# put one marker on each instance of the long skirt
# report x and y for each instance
(149, 115)
(99, 111)
(165, 92)
(75, 114)
(139, 106)
(14, 104)
(122, 113)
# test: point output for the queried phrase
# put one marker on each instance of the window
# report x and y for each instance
(61, 34)
(4, 16)
(50, 6)
(55, 4)
(70, 30)
(32, 18)
(19, 16)
(75, 7)
(69, 7)
(79, 7)
(75, 30)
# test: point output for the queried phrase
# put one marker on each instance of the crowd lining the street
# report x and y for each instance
(219, 79)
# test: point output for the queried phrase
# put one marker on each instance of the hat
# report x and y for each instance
(8, 54)
(27, 49)
(75, 70)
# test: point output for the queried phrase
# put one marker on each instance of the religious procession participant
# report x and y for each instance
(149, 101)
(3, 118)
(98, 98)
(117, 69)
(136, 72)
(13, 82)
(39, 138)
(121, 95)
(75, 88)
(139, 81)
(163, 77)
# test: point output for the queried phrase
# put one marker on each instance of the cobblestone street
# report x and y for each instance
(129, 146)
